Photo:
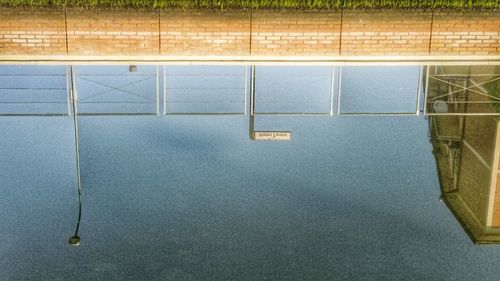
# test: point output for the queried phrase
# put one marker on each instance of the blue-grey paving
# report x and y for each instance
(193, 198)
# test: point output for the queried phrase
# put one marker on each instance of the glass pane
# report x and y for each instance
(33, 90)
(463, 90)
(293, 89)
(124, 89)
(379, 89)
(205, 89)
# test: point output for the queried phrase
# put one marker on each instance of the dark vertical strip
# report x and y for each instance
(250, 35)
(66, 29)
(252, 91)
(159, 31)
(430, 33)
(432, 26)
(341, 27)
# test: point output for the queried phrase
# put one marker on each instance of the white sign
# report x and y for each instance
(272, 136)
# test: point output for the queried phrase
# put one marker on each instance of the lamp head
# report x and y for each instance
(74, 240)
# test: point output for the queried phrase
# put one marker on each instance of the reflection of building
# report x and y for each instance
(467, 150)
(463, 90)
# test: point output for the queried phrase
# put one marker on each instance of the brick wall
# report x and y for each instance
(32, 31)
(466, 33)
(295, 33)
(198, 32)
(390, 33)
(112, 31)
(261, 33)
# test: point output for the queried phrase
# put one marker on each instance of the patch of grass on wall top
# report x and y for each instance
(283, 4)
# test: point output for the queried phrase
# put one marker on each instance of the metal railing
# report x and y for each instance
(236, 90)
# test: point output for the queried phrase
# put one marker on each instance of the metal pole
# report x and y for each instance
(251, 125)
(426, 91)
(164, 90)
(68, 90)
(419, 89)
(157, 90)
(245, 90)
(252, 90)
(331, 90)
(339, 90)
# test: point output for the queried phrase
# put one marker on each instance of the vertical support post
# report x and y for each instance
(419, 89)
(246, 89)
(164, 90)
(252, 90)
(494, 178)
(426, 92)
(69, 89)
(157, 90)
(339, 90)
(331, 90)
(251, 126)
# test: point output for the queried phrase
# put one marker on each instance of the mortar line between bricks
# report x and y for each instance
(341, 27)
(430, 33)
(250, 34)
(159, 32)
(66, 29)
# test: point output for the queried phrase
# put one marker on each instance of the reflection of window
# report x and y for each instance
(293, 89)
(205, 89)
(463, 90)
(379, 89)
(33, 90)
(117, 89)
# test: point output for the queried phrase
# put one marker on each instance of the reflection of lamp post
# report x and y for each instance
(132, 68)
(75, 239)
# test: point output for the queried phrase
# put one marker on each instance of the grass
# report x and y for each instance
(285, 4)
